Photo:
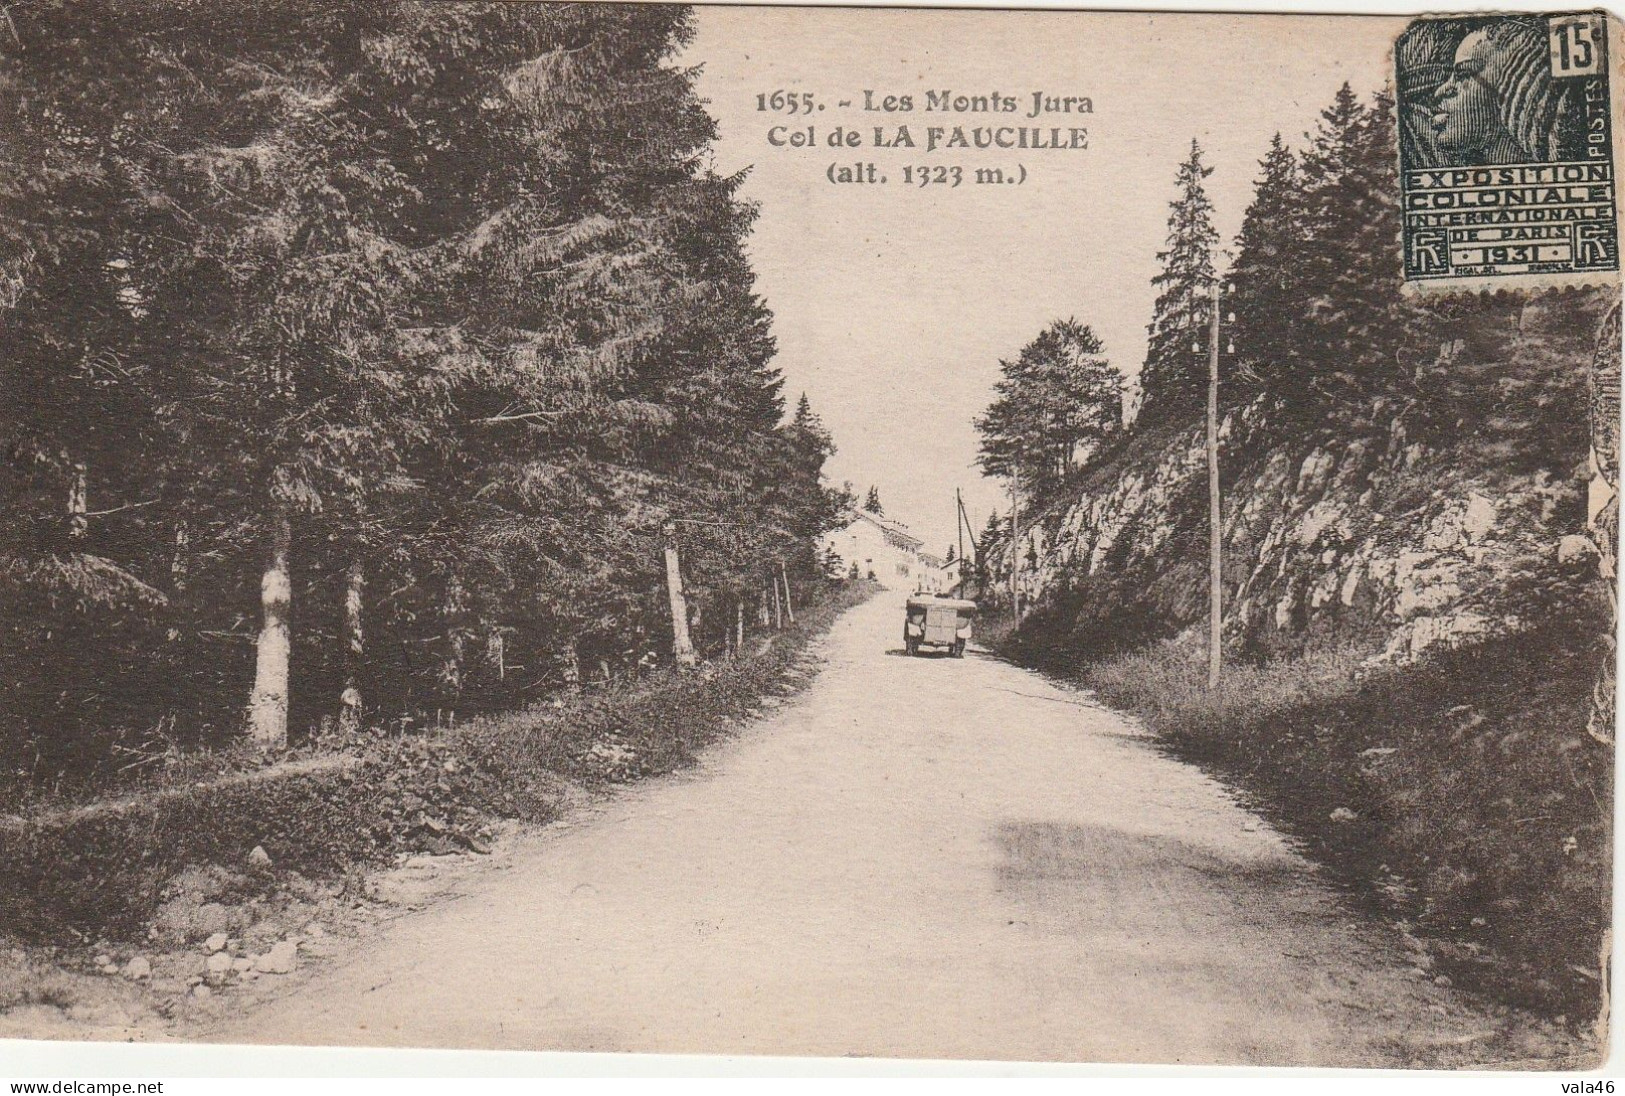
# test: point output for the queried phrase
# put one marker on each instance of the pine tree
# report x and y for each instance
(1330, 188)
(1057, 403)
(995, 532)
(822, 507)
(401, 328)
(871, 503)
(811, 440)
(1173, 383)
(1360, 328)
(1265, 292)
(104, 90)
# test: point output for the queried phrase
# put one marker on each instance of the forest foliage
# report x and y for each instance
(1314, 327)
(405, 335)
(1056, 405)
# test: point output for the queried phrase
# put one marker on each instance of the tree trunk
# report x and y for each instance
(178, 563)
(778, 606)
(354, 648)
(739, 625)
(268, 703)
(496, 652)
(789, 605)
(682, 648)
(451, 670)
(78, 522)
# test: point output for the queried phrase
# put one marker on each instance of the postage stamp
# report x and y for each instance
(1506, 150)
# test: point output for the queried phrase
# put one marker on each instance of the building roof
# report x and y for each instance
(896, 532)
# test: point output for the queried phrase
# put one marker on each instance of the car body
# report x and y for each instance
(940, 622)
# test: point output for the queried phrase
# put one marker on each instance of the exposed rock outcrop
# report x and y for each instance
(1414, 536)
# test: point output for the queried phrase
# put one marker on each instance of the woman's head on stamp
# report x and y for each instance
(1498, 104)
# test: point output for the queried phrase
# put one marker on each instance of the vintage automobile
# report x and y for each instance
(938, 621)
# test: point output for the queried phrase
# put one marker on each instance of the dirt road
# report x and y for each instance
(921, 857)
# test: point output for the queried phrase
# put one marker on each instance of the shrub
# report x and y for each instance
(1482, 808)
(100, 869)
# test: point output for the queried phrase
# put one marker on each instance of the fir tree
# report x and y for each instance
(1173, 383)
(416, 321)
(871, 502)
(995, 532)
(1057, 403)
(1265, 295)
(1360, 329)
(1330, 185)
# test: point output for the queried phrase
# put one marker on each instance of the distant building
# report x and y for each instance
(955, 576)
(930, 573)
(877, 548)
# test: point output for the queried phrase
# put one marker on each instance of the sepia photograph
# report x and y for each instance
(878, 533)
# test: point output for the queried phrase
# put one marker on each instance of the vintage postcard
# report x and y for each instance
(1054, 536)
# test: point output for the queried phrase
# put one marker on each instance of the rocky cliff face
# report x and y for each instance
(1411, 537)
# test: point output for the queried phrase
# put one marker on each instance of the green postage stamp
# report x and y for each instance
(1506, 147)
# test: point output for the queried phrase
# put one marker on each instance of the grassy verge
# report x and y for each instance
(103, 870)
(1462, 795)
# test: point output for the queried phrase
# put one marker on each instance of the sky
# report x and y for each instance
(894, 304)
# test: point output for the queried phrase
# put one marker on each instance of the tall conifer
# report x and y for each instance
(1173, 382)
(1266, 294)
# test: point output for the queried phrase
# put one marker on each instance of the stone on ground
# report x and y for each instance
(281, 959)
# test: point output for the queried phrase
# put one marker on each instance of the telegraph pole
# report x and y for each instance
(1015, 542)
(1215, 529)
(959, 528)
(959, 532)
(967, 533)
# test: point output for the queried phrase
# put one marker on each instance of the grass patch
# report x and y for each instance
(1461, 794)
(99, 870)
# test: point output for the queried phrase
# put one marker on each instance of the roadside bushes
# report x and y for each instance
(101, 869)
(1462, 794)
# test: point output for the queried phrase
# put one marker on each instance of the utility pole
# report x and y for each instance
(959, 525)
(682, 647)
(959, 531)
(1015, 542)
(1215, 652)
(966, 532)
